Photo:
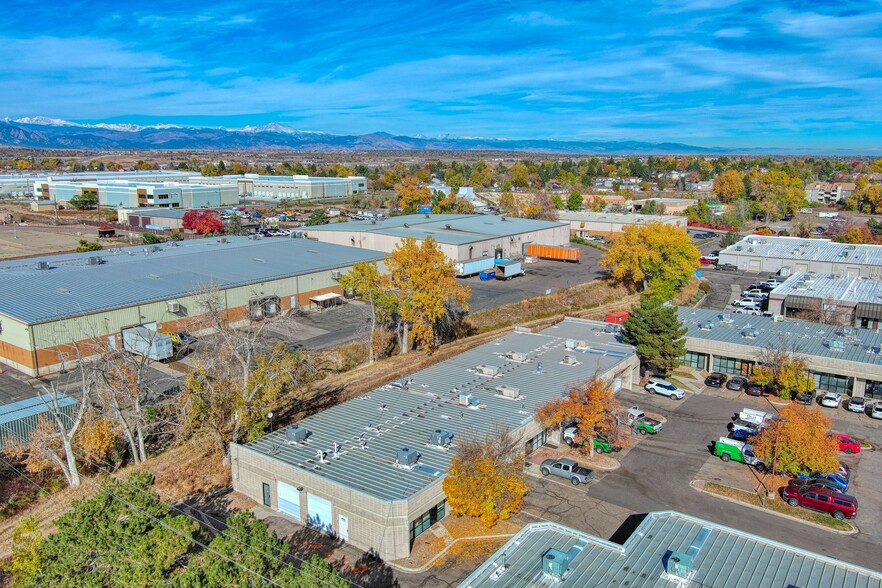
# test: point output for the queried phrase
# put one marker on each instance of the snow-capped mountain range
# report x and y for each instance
(45, 132)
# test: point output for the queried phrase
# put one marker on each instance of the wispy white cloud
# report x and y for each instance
(539, 19)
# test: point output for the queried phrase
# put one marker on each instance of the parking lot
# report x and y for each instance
(655, 475)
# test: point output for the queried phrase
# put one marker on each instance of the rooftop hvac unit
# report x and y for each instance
(517, 356)
(487, 370)
(336, 274)
(296, 434)
(555, 563)
(778, 318)
(570, 343)
(508, 391)
(442, 438)
(222, 240)
(407, 457)
(582, 344)
(173, 306)
(465, 398)
(42, 265)
(679, 564)
(94, 260)
(569, 360)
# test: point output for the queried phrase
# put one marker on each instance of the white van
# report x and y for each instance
(748, 303)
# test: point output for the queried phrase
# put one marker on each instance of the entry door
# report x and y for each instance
(319, 513)
(343, 527)
(289, 499)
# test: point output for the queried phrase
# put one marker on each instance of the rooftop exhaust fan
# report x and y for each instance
(296, 434)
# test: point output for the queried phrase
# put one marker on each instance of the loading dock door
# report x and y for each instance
(755, 265)
(319, 513)
(289, 500)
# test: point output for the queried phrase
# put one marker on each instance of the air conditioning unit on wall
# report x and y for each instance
(336, 274)
(173, 306)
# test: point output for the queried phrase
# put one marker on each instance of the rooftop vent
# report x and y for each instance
(679, 564)
(706, 326)
(447, 227)
(253, 237)
(487, 370)
(570, 343)
(296, 434)
(555, 564)
(508, 391)
(402, 384)
(569, 360)
(42, 265)
(750, 333)
(466, 399)
(94, 260)
(837, 344)
(441, 438)
(502, 218)
(222, 240)
(427, 215)
(406, 226)
(407, 457)
(517, 356)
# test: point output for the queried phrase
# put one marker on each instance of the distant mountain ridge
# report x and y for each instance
(44, 132)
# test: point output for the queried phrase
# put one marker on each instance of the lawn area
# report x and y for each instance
(779, 506)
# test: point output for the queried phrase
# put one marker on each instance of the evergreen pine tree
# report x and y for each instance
(657, 333)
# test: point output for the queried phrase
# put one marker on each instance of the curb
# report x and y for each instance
(428, 564)
(692, 484)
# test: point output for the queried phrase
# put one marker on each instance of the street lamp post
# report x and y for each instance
(269, 417)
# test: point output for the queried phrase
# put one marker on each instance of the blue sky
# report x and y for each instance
(705, 72)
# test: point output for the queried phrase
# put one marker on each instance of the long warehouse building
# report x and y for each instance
(55, 308)
(460, 236)
(371, 469)
(756, 253)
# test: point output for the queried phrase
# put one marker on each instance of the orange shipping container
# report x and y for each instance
(554, 252)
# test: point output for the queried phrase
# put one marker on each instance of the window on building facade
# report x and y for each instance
(694, 360)
(833, 383)
(422, 523)
(731, 365)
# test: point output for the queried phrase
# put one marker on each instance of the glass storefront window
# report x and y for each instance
(833, 383)
(731, 365)
(694, 360)
(429, 518)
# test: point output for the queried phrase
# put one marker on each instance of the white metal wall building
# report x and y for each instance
(756, 253)
(460, 236)
(584, 223)
(370, 470)
(292, 187)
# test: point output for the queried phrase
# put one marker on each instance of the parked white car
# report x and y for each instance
(747, 303)
(753, 311)
(856, 404)
(831, 400)
(665, 388)
(876, 411)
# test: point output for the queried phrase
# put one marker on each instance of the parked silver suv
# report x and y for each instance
(567, 468)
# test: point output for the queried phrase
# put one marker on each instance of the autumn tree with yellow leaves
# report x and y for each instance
(427, 291)
(656, 256)
(486, 478)
(799, 442)
(729, 185)
(783, 370)
(591, 406)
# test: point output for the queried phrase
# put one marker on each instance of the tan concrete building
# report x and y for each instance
(460, 236)
(371, 470)
(53, 309)
(584, 223)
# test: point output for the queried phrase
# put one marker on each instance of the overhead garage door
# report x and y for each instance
(755, 265)
(800, 267)
(319, 513)
(289, 500)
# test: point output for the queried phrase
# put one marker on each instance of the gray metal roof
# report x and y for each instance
(799, 249)
(618, 218)
(723, 558)
(463, 228)
(810, 339)
(848, 289)
(160, 212)
(136, 275)
(407, 416)
(30, 407)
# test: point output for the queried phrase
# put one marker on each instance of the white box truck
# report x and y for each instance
(143, 341)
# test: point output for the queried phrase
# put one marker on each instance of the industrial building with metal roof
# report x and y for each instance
(667, 549)
(585, 222)
(49, 303)
(294, 187)
(756, 253)
(460, 236)
(140, 194)
(19, 419)
(371, 469)
(851, 301)
(840, 359)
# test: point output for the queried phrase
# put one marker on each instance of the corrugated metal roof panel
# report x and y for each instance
(137, 275)
(728, 558)
(392, 417)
